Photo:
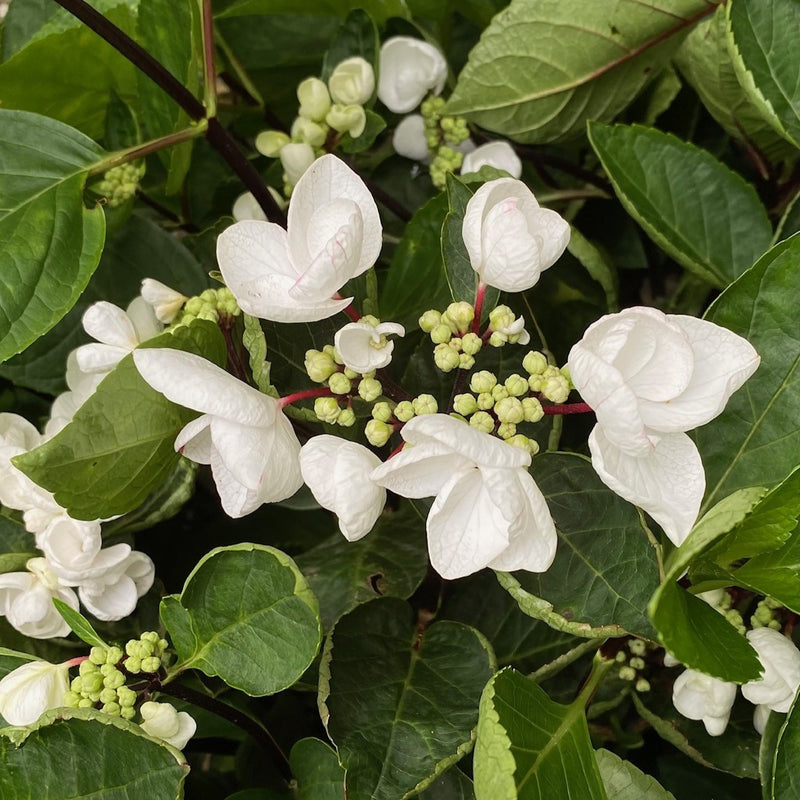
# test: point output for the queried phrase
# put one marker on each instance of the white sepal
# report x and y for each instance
(701, 697)
(163, 721)
(409, 69)
(500, 155)
(780, 679)
(409, 138)
(31, 689)
(364, 347)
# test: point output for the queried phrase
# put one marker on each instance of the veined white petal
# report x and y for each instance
(194, 440)
(243, 450)
(31, 689)
(109, 324)
(358, 344)
(143, 318)
(282, 477)
(100, 358)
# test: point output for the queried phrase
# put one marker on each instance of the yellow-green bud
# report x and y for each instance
(88, 667)
(532, 410)
(76, 685)
(424, 404)
(92, 683)
(350, 119)
(347, 418)
(642, 685)
(133, 664)
(85, 702)
(455, 343)
(497, 339)
(327, 409)
(111, 708)
(315, 102)
(319, 366)
(551, 371)
(152, 636)
(126, 697)
(128, 712)
(509, 409)
(465, 404)
(505, 430)
(209, 314)
(499, 393)
(466, 361)
(556, 389)
(382, 411)
(108, 696)
(313, 133)
(445, 358)
(501, 317)
(567, 375)
(339, 383)
(485, 401)
(107, 669)
(534, 363)
(369, 389)
(378, 433)
(471, 343)
(521, 441)
(441, 334)
(71, 699)
(270, 143)
(404, 411)
(637, 647)
(637, 663)
(459, 316)
(113, 679)
(627, 673)
(429, 320)
(620, 657)
(350, 373)
(516, 385)
(114, 655)
(151, 664)
(536, 382)
(97, 655)
(482, 381)
(482, 421)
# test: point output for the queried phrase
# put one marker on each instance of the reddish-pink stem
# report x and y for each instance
(480, 293)
(396, 450)
(74, 662)
(323, 391)
(567, 408)
(349, 310)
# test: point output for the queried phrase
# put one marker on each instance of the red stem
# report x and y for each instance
(352, 313)
(322, 391)
(480, 293)
(567, 408)
(74, 662)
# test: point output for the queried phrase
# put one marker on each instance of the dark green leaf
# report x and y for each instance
(374, 125)
(597, 264)
(785, 784)
(11, 659)
(453, 785)
(246, 614)
(400, 705)
(623, 781)
(78, 624)
(316, 768)
(379, 10)
(17, 545)
(691, 205)
(22, 21)
(357, 36)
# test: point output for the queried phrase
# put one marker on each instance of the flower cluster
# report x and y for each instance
(119, 184)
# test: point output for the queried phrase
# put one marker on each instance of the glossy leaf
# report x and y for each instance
(624, 781)
(400, 705)
(530, 748)
(785, 783)
(691, 205)
(78, 624)
(316, 769)
(453, 785)
(120, 445)
(357, 36)
(379, 10)
(246, 615)
(17, 545)
(11, 659)
(542, 69)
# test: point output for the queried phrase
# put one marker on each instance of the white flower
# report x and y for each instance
(500, 155)
(701, 697)
(31, 689)
(364, 347)
(760, 717)
(409, 69)
(409, 139)
(112, 593)
(352, 82)
(347, 119)
(779, 682)
(338, 474)
(166, 302)
(242, 434)
(315, 102)
(488, 511)
(26, 600)
(509, 238)
(81, 386)
(17, 490)
(334, 234)
(163, 721)
(649, 377)
(247, 207)
(119, 333)
(296, 158)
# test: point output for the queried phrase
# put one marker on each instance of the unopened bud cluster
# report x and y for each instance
(213, 305)
(326, 112)
(764, 615)
(450, 330)
(119, 184)
(386, 417)
(632, 666)
(443, 135)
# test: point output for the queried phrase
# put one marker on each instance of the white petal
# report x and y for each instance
(100, 358)
(409, 138)
(282, 478)
(109, 602)
(246, 207)
(760, 717)
(780, 679)
(409, 69)
(143, 317)
(500, 155)
(31, 689)
(166, 302)
(357, 343)
(701, 697)
(109, 324)
(668, 483)
(296, 158)
(16, 431)
(420, 471)
(236, 499)
(194, 440)
(191, 381)
(243, 450)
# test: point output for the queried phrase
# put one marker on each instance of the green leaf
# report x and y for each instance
(78, 624)
(785, 784)
(357, 36)
(246, 615)
(755, 440)
(597, 264)
(379, 10)
(789, 222)
(51, 243)
(692, 206)
(623, 781)
(316, 768)
(605, 570)
(542, 69)
(17, 545)
(400, 705)
(453, 785)
(763, 46)
(391, 561)
(34, 77)
(119, 446)
(374, 125)
(21, 22)
(140, 249)
(81, 753)
(11, 659)
(530, 748)
(766, 753)
(255, 343)
(706, 64)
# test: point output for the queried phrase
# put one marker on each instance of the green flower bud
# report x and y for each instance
(112, 709)
(369, 389)
(441, 334)
(551, 371)
(319, 366)
(114, 679)
(642, 685)
(88, 668)
(637, 663)
(97, 655)
(114, 655)
(501, 317)
(536, 382)
(378, 433)
(556, 389)
(108, 696)
(107, 669)
(92, 683)
(347, 418)
(71, 699)
(339, 383)
(85, 702)
(459, 316)
(126, 697)
(499, 393)
(520, 440)
(482, 421)
(455, 343)
(627, 674)
(516, 385)
(424, 404)
(132, 647)
(350, 119)
(382, 411)
(304, 130)
(209, 296)
(327, 409)
(315, 102)
(465, 404)
(485, 401)
(466, 361)
(471, 343)
(534, 363)
(209, 314)
(567, 376)
(445, 358)
(404, 411)
(497, 339)
(133, 664)
(127, 712)
(351, 374)
(620, 657)
(76, 685)
(270, 143)
(429, 320)
(145, 649)
(482, 381)
(505, 430)
(637, 647)
(151, 664)
(509, 410)
(161, 646)
(532, 410)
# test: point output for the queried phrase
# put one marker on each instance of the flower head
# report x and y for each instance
(334, 234)
(163, 721)
(701, 697)
(352, 82)
(409, 139)
(409, 69)
(780, 680)
(31, 689)
(499, 155)
(363, 347)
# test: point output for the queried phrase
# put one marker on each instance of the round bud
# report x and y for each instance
(76, 685)
(510, 410)
(482, 421)
(351, 374)
(347, 418)
(465, 404)
(315, 102)
(501, 317)
(637, 663)
(424, 404)
(270, 143)
(466, 361)
(114, 655)
(133, 664)
(627, 673)
(339, 383)
(556, 389)
(620, 657)
(516, 385)
(483, 381)
(471, 343)
(520, 440)
(485, 401)
(497, 339)
(532, 410)
(460, 316)
(151, 664)
(327, 409)
(313, 133)
(445, 358)
(108, 696)
(112, 709)
(126, 697)
(455, 343)
(642, 685)
(350, 119)
(382, 411)
(87, 668)
(97, 655)
(71, 699)
(441, 334)
(637, 647)
(499, 393)
(319, 366)
(378, 433)
(92, 683)
(534, 363)
(114, 679)
(429, 320)
(505, 430)
(404, 411)
(369, 389)
(85, 702)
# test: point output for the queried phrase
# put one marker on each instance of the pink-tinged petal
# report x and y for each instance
(243, 450)
(532, 537)
(668, 483)
(327, 180)
(109, 324)
(191, 381)
(194, 440)
(466, 527)
(723, 361)
(143, 318)
(99, 358)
